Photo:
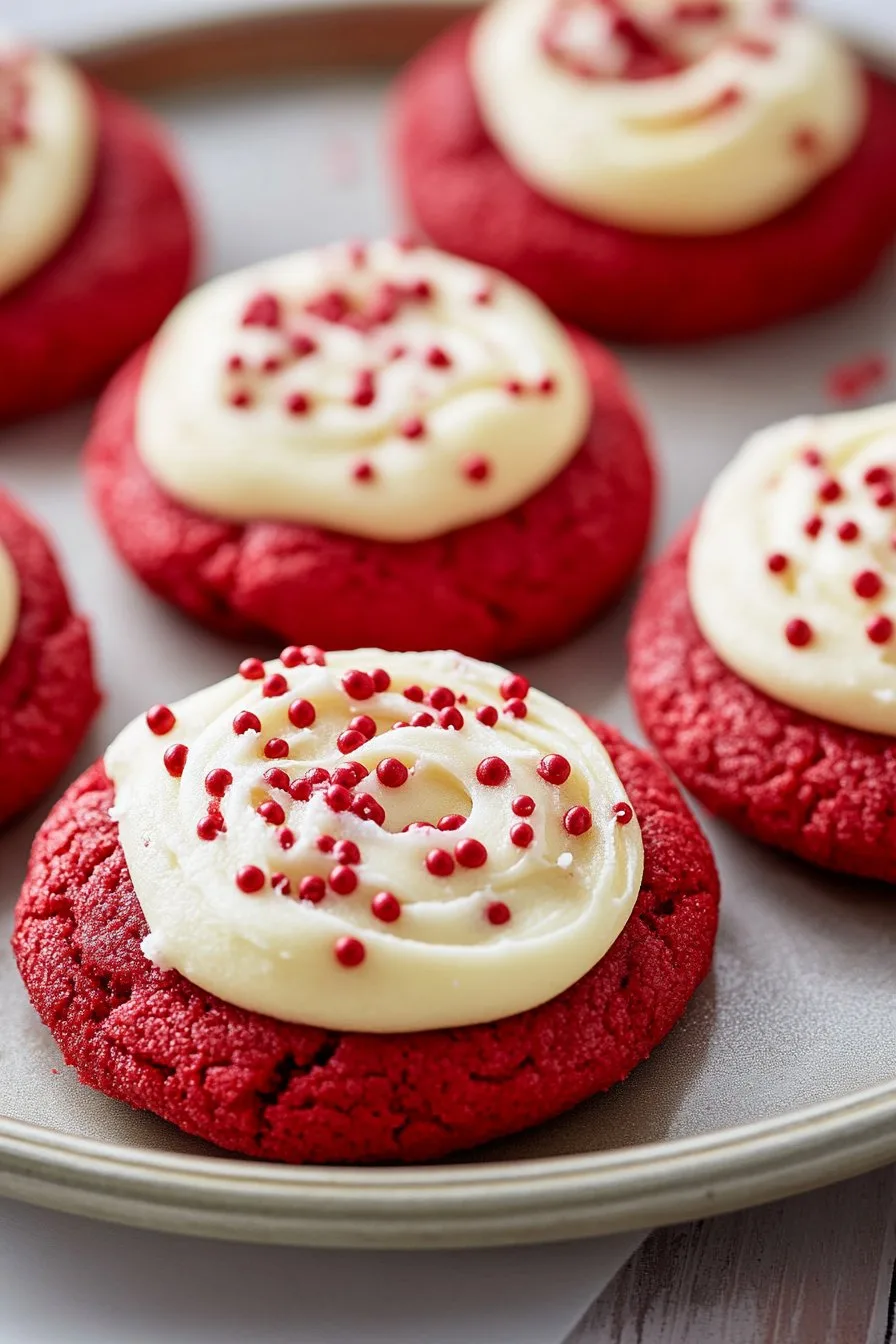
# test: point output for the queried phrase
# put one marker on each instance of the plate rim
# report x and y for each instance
(439, 1207)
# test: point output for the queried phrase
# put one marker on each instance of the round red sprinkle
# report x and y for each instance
(218, 781)
(470, 853)
(381, 679)
(276, 778)
(338, 798)
(343, 879)
(275, 684)
(313, 655)
(880, 630)
(451, 823)
(368, 808)
(514, 387)
(207, 828)
(877, 476)
(262, 311)
(496, 912)
(316, 774)
(249, 878)
(414, 693)
(300, 789)
(291, 656)
(492, 771)
(412, 428)
(623, 813)
(884, 499)
(777, 563)
(160, 720)
(349, 774)
(234, 363)
(298, 403)
(488, 715)
(364, 393)
(440, 863)
(241, 400)
(546, 385)
(422, 720)
(280, 882)
(554, 769)
(812, 457)
(272, 812)
(441, 697)
(437, 358)
(517, 709)
(523, 806)
(514, 687)
(252, 669)
(275, 748)
(451, 717)
(363, 471)
(385, 907)
(271, 364)
(350, 741)
(312, 888)
(325, 843)
(392, 773)
(349, 951)
(522, 834)
(798, 632)
(347, 851)
(477, 468)
(301, 713)
(175, 759)
(302, 345)
(286, 838)
(365, 725)
(867, 584)
(577, 821)
(246, 722)
(813, 526)
(848, 531)
(358, 685)
(830, 490)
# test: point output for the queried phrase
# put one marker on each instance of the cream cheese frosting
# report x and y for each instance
(792, 571)
(47, 156)
(665, 116)
(375, 841)
(382, 391)
(9, 601)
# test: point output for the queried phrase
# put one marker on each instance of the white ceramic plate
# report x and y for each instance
(782, 1074)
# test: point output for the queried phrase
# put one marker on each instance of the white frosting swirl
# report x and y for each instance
(793, 568)
(379, 391)
(750, 108)
(482, 931)
(47, 153)
(9, 601)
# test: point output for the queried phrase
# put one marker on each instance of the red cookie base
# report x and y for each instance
(269, 1089)
(65, 328)
(525, 580)
(47, 691)
(468, 199)
(800, 783)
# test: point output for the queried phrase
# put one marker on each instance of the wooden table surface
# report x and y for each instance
(818, 1269)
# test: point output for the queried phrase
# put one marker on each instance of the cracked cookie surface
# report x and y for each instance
(271, 1089)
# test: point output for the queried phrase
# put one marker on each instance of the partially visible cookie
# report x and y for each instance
(96, 238)
(762, 658)
(48, 695)
(383, 446)
(532, 879)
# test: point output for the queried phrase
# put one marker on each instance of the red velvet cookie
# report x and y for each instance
(47, 691)
(267, 1089)
(522, 580)
(468, 198)
(815, 788)
(68, 324)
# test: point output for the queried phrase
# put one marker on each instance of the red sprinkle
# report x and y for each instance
(848, 531)
(470, 853)
(867, 584)
(241, 401)
(830, 490)
(301, 713)
(207, 828)
(513, 387)
(777, 563)
(577, 821)
(812, 457)
(492, 771)
(349, 952)
(440, 863)
(412, 428)
(523, 806)
(358, 685)
(806, 140)
(313, 655)
(878, 476)
(338, 798)
(363, 471)
(441, 697)
(477, 468)
(392, 773)
(280, 882)
(381, 679)
(514, 687)
(364, 393)
(246, 722)
(554, 769)
(343, 879)
(488, 715)
(414, 693)
(496, 912)
(160, 720)
(302, 345)
(880, 630)
(623, 814)
(272, 813)
(422, 720)
(547, 385)
(275, 684)
(522, 834)
(252, 669)
(385, 907)
(262, 311)
(275, 748)
(325, 843)
(452, 822)
(350, 741)
(218, 781)
(365, 725)
(516, 709)
(451, 718)
(347, 851)
(286, 838)
(437, 358)
(813, 527)
(175, 759)
(300, 789)
(316, 774)
(885, 499)
(312, 888)
(250, 879)
(368, 808)
(350, 774)
(298, 403)
(798, 633)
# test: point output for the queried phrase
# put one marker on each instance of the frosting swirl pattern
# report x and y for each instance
(667, 116)
(375, 841)
(382, 391)
(792, 572)
(47, 153)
